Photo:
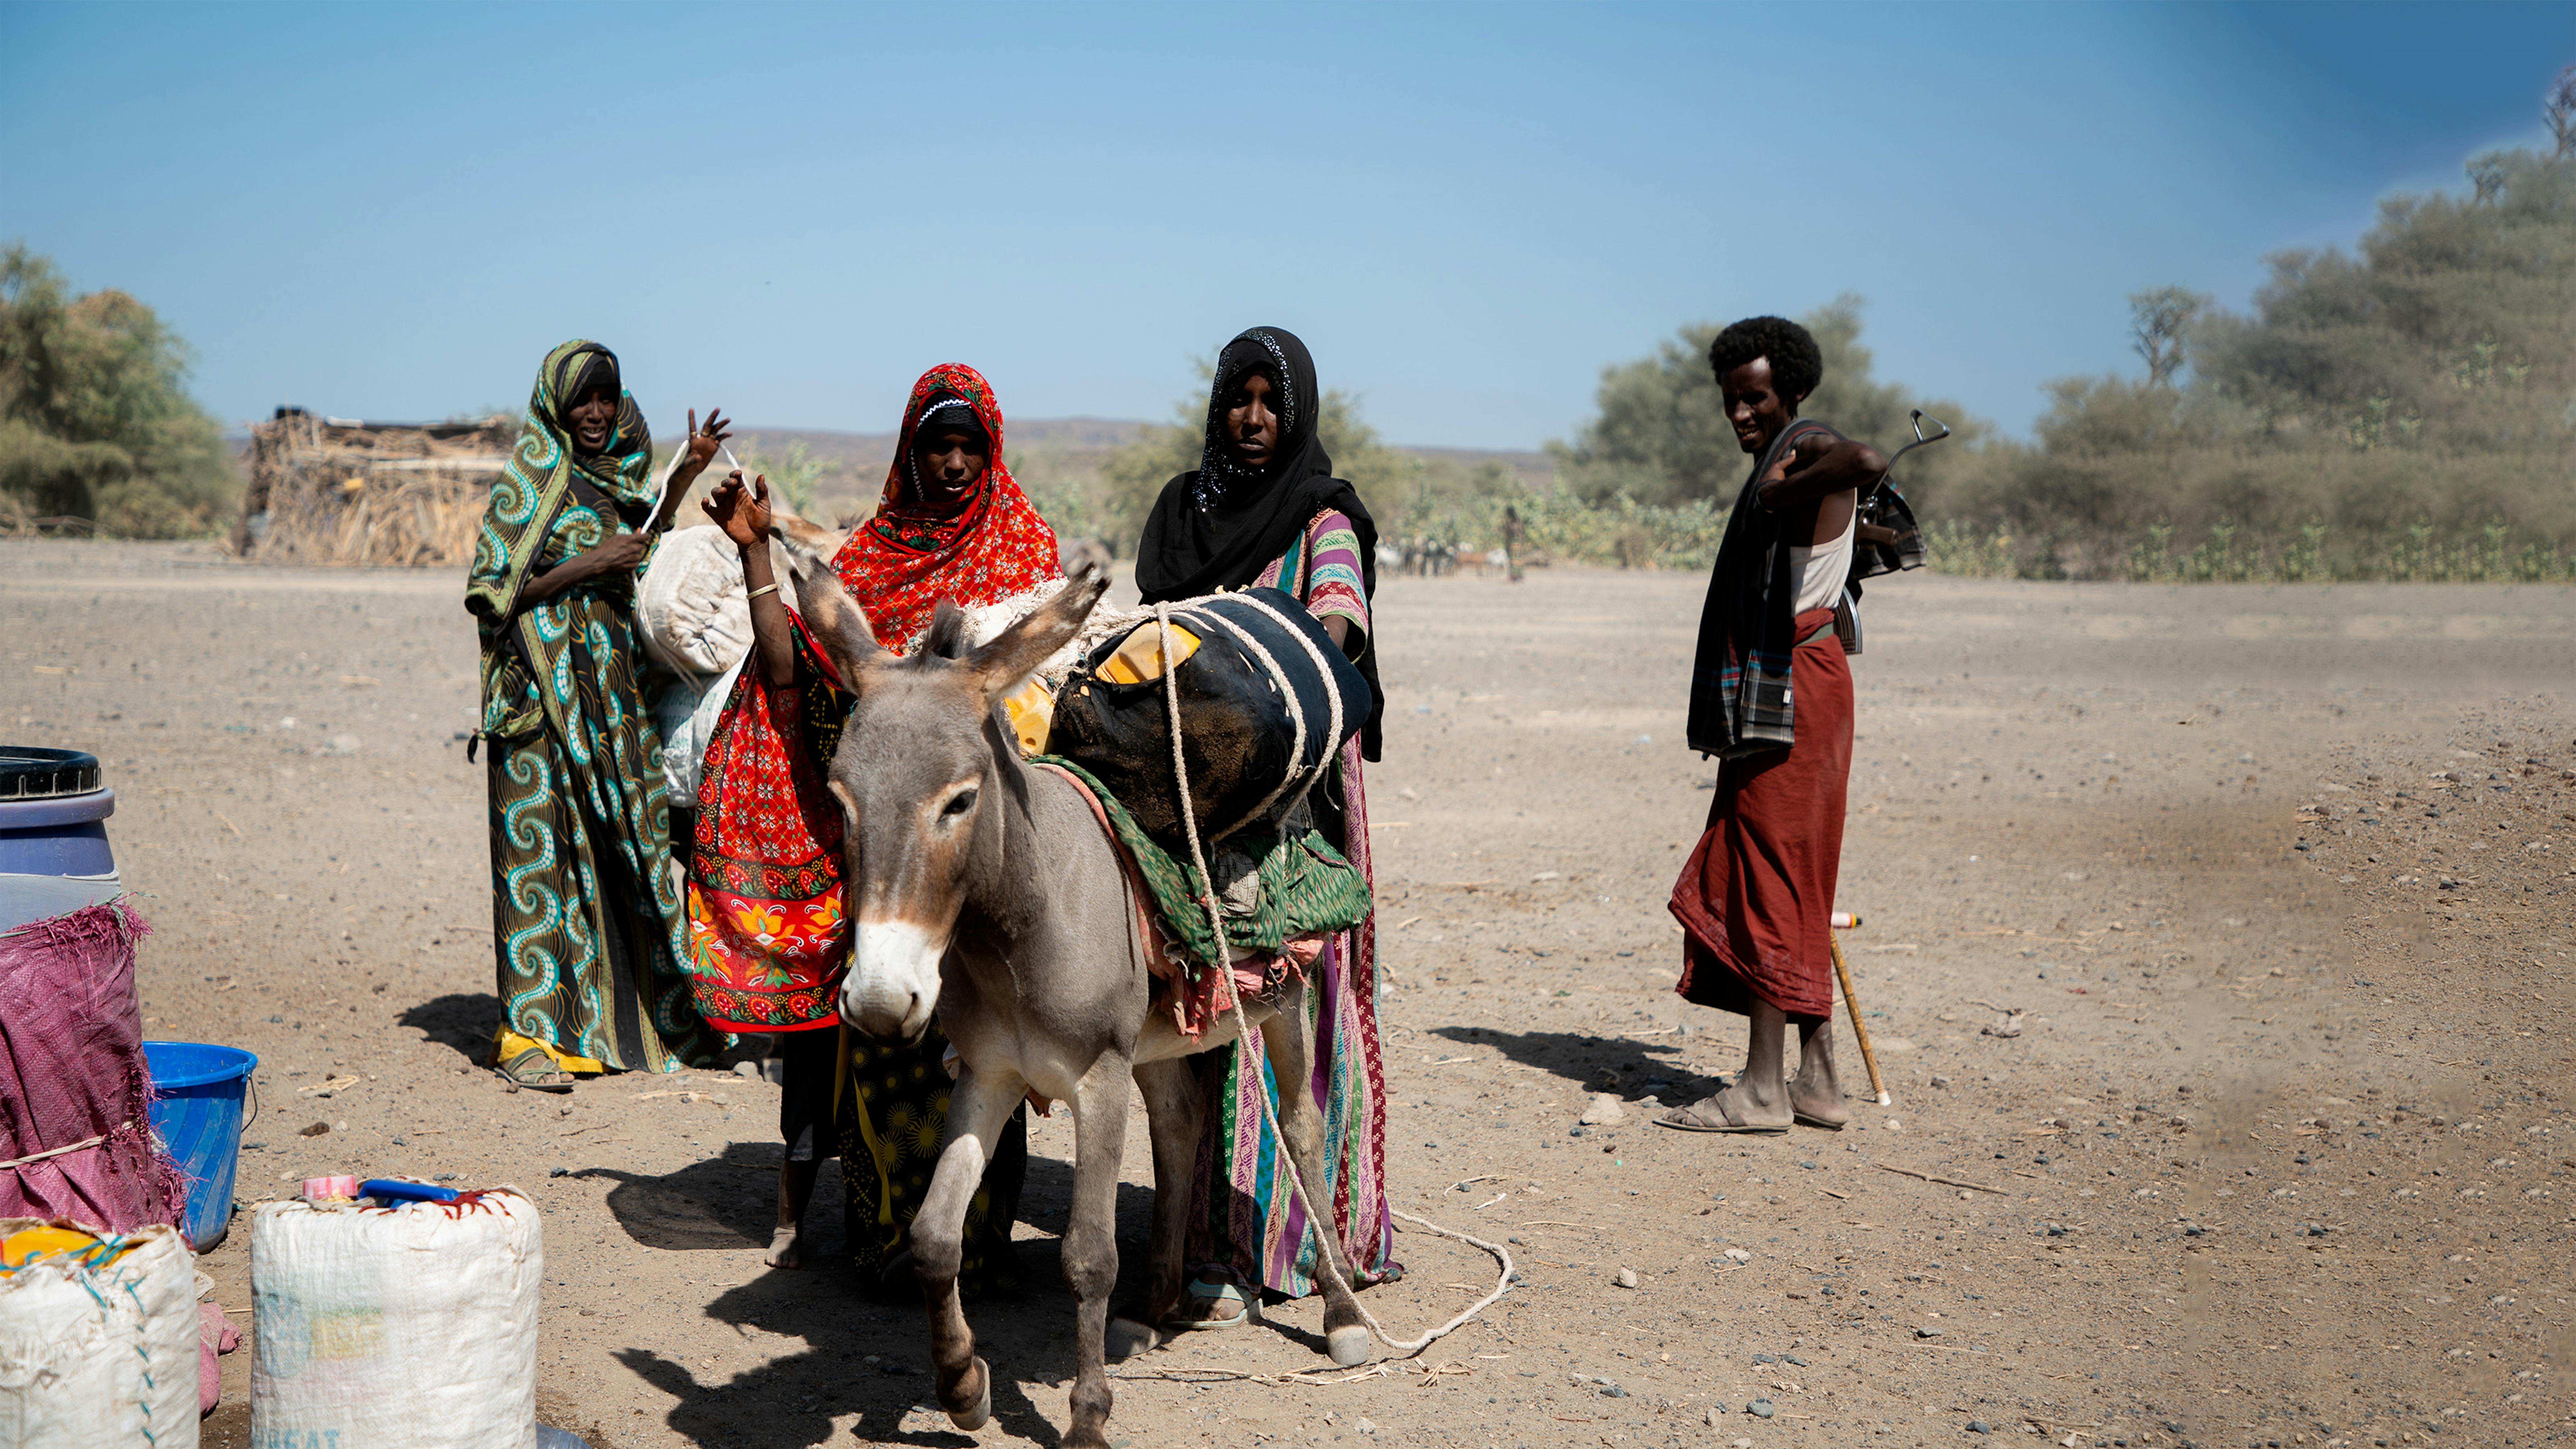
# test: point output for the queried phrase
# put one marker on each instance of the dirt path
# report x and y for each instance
(2279, 880)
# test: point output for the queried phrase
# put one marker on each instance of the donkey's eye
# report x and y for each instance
(958, 804)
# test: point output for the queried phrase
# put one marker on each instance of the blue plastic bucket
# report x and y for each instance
(197, 1094)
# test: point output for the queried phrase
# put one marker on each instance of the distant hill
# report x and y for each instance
(855, 463)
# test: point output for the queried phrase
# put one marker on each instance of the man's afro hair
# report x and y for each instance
(1796, 363)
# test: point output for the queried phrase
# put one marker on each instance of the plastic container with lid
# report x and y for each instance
(54, 855)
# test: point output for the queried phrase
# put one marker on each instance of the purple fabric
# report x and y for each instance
(71, 1068)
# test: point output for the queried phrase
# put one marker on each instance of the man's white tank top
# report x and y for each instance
(1821, 570)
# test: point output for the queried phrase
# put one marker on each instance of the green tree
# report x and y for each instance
(95, 419)
(2374, 409)
(2158, 320)
(1660, 436)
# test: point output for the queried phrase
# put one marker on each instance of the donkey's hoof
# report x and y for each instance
(1349, 1345)
(1127, 1338)
(976, 1415)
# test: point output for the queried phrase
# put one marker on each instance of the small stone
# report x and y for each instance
(1365, 1427)
(1759, 1408)
(316, 1130)
(558, 1172)
(747, 1069)
(1614, 1392)
(721, 1100)
(1627, 1278)
(1793, 1358)
(1940, 1081)
(1715, 1412)
(1605, 1109)
(1927, 1333)
(1739, 1255)
(1979, 1426)
(1766, 1358)
(340, 745)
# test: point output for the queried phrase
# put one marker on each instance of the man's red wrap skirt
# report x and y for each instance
(1757, 896)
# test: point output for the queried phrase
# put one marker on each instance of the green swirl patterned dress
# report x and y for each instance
(587, 925)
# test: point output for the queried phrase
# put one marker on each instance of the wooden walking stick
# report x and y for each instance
(1851, 1003)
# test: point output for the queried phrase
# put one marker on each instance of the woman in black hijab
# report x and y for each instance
(1264, 509)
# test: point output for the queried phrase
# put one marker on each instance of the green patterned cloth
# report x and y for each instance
(1306, 885)
(587, 925)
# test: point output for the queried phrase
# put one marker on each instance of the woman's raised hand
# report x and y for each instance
(741, 511)
(703, 442)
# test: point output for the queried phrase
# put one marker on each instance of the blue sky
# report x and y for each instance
(1466, 211)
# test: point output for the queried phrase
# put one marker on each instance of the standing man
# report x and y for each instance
(1771, 697)
(1515, 541)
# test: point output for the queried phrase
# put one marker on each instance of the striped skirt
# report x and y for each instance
(1244, 1217)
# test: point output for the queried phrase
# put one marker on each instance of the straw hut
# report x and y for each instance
(341, 492)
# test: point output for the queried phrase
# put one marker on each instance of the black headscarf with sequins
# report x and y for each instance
(1219, 526)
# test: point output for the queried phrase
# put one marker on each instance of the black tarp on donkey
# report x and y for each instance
(1251, 755)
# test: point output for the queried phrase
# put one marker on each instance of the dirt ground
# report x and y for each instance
(2278, 885)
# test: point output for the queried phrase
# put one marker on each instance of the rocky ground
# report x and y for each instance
(2216, 952)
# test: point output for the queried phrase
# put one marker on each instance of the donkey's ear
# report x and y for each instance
(835, 621)
(1017, 651)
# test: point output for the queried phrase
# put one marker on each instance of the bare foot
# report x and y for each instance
(1728, 1109)
(1818, 1103)
(785, 1251)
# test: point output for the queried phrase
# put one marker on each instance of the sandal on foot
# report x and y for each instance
(1689, 1119)
(1803, 1120)
(1205, 1302)
(534, 1071)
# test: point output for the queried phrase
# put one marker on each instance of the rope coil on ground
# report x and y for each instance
(1243, 1039)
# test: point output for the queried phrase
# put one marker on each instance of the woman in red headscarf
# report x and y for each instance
(767, 935)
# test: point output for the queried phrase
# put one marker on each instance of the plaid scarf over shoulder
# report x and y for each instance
(1740, 700)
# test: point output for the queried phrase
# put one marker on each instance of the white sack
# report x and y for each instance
(104, 1359)
(396, 1328)
(690, 606)
(688, 714)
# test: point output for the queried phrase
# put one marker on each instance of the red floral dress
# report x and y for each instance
(768, 932)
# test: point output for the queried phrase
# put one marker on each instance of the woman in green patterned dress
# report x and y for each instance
(586, 920)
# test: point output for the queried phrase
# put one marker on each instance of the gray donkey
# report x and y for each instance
(985, 890)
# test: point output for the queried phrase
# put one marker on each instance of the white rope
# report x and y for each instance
(65, 1150)
(1243, 1040)
(1278, 678)
(1288, 690)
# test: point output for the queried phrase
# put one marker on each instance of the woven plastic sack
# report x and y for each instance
(396, 1328)
(690, 606)
(687, 713)
(75, 1125)
(100, 1354)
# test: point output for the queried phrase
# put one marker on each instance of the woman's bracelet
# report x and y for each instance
(763, 589)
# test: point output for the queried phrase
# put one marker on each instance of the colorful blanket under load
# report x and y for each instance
(1306, 891)
(768, 933)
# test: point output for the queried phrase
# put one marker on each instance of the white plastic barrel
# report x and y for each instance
(396, 1327)
(98, 1338)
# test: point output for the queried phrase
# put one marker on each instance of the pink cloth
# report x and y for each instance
(71, 1069)
(215, 1334)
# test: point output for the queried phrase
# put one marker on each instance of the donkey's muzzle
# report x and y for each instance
(893, 985)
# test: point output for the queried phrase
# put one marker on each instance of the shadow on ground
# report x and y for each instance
(1599, 1063)
(460, 1020)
